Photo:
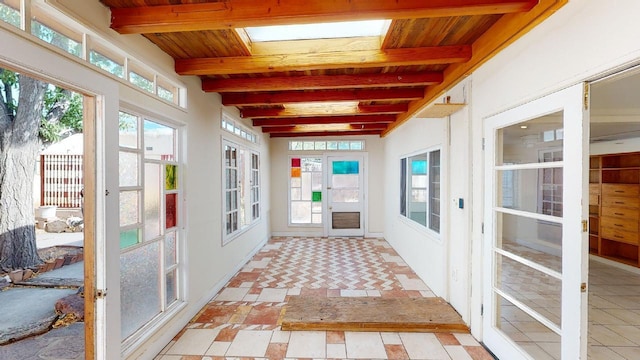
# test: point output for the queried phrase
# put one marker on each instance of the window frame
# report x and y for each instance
(244, 203)
(406, 188)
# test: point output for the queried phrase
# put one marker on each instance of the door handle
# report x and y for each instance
(328, 187)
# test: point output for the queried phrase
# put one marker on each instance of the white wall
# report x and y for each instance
(208, 265)
(279, 162)
(422, 249)
(581, 41)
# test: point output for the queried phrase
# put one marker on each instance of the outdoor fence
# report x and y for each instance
(61, 180)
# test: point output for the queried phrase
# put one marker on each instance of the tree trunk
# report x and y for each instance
(19, 148)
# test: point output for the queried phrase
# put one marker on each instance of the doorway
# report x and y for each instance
(614, 273)
(345, 195)
(535, 250)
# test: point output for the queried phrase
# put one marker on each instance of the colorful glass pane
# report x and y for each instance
(170, 210)
(170, 180)
(129, 238)
(295, 172)
(317, 196)
(295, 162)
(419, 167)
(346, 167)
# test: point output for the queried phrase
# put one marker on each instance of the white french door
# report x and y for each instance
(536, 245)
(345, 195)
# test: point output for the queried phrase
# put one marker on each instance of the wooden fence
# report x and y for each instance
(61, 180)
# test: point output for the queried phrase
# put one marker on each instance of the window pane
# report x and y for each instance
(128, 169)
(345, 181)
(55, 38)
(170, 255)
(434, 189)
(537, 190)
(171, 287)
(129, 238)
(9, 14)
(344, 195)
(106, 63)
(159, 141)
(129, 207)
(170, 210)
(346, 167)
(165, 94)
(141, 81)
(152, 201)
(139, 287)
(170, 177)
(301, 212)
(321, 145)
(306, 186)
(128, 125)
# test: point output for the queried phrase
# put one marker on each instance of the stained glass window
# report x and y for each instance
(305, 185)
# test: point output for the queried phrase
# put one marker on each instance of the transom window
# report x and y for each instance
(332, 145)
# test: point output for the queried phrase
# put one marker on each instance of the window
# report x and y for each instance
(305, 185)
(550, 198)
(230, 125)
(150, 193)
(353, 145)
(420, 189)
(241, 189)
(318, 30)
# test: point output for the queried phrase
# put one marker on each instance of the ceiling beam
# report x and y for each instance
(504, 32)
(289, 97)
(322, 61)
(243, 13)
(361, 119)
(320, 127)
(325, 133)
(323, 110)
(319, 82)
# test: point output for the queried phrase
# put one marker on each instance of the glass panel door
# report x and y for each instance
(536, 252)
(345, 192)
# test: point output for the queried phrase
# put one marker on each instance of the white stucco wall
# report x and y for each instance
(422, 249)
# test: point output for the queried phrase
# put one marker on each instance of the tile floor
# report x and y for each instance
(242, 320)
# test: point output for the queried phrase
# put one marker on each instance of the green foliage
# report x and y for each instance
(62, 114)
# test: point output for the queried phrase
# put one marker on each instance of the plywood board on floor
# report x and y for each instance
(371, 314)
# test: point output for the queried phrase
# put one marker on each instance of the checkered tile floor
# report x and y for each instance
(242, 320)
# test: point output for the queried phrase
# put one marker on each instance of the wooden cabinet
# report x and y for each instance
(614, 207)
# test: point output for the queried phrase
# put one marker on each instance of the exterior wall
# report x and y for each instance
(422, 249)
(279, 163)
(582, 41)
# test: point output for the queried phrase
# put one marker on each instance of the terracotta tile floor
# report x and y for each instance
(242, 320)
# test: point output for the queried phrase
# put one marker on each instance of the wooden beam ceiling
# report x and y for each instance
(323, 110)
(315, 134)
(289, 97)
(319, 82)
(323, 61)
(505, 31)
(244, 13)
(352, 119)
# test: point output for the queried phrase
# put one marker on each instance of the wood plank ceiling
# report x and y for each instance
(329, 87)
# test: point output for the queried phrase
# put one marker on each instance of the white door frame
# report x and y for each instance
(572, 101)
(361, 206)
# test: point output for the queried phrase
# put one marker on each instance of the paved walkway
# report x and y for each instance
(242, 321)
(26, 310)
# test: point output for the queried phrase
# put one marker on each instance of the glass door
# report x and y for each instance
(345, 192)
(535, 229)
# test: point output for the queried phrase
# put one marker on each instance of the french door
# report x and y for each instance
(345, 200)
(536, 245)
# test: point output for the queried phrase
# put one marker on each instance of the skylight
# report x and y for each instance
(317, 31)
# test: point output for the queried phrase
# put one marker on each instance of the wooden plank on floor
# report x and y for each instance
(371, 314)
